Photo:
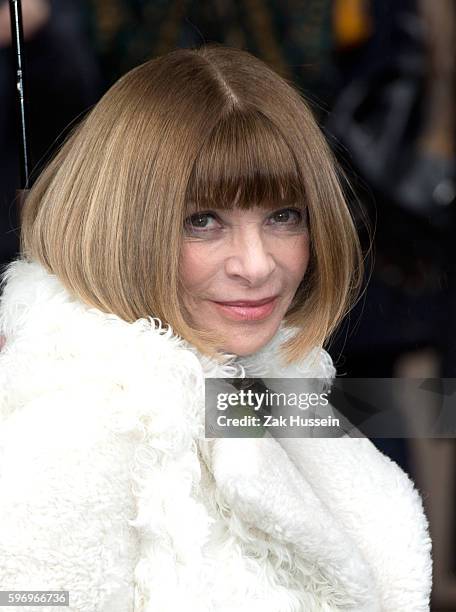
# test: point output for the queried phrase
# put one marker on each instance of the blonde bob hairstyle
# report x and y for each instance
(215, 127)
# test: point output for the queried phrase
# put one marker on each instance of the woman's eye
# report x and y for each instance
(287, 217)
(200, 223)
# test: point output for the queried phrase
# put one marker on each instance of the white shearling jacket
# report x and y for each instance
(108, 488)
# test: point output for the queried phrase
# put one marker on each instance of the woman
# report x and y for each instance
(198, 183)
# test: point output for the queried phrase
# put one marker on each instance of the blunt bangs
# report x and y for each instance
(245, 162)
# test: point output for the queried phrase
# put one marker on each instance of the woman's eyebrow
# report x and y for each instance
(222, 211)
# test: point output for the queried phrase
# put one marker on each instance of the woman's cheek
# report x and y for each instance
(197, 263)
(295, 256)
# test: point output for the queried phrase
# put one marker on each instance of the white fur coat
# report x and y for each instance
(108, 488)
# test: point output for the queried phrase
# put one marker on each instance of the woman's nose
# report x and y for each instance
(250, 257)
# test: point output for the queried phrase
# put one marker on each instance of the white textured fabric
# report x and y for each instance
(109, 490)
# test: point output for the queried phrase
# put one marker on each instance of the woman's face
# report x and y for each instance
(232, 259)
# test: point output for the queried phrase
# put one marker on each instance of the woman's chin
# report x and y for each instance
(249, 342)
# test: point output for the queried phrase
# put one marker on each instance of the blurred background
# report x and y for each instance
(380, 76)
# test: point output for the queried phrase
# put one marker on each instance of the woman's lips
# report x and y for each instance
(246, 313)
